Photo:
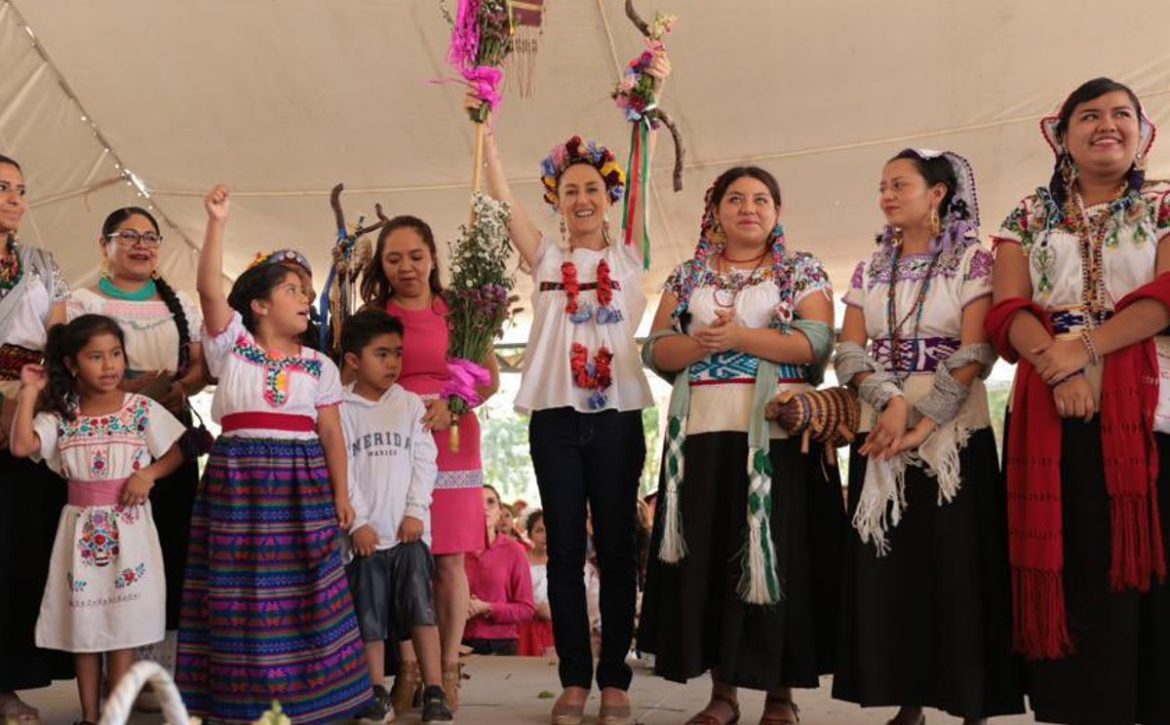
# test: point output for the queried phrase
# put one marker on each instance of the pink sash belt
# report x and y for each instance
(96, 493)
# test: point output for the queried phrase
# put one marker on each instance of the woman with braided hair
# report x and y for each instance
(743, 571)
(164, 355)
(925, 605)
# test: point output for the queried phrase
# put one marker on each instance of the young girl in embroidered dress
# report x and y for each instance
(106, 591)
(584, 386)
(266, 609)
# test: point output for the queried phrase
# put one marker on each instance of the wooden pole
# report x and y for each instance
(477, 168)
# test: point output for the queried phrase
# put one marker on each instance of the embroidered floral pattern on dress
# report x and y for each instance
(1147, 214)
(99, 463)
(796, 276)
(858, 279)
(75, 585)
(1137, 218)
(980, 267)
(130, 420)
(916, 267)
(276, 369)
(98, 545)
(130, 576)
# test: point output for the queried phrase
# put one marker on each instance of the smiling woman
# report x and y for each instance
(1081, 290)
(584, 387)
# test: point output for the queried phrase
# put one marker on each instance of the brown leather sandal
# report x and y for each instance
(792, 717)
(407, 688)
(452, 679)
(705, 718)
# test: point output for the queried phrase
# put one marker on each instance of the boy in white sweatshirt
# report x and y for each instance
(392, 472)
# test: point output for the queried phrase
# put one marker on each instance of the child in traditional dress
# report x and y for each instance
(266, 609)
(106, 591)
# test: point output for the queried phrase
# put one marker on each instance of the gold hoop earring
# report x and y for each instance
(935, 222)
(1139, 162)
(105, 268)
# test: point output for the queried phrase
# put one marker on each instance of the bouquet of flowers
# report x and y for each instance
(481, 38)
(637, 97)
(479, 300)
(635, 93)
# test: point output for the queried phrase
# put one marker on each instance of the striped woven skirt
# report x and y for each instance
(266, 609)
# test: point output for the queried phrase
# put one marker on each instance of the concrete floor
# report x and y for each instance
(503, 690)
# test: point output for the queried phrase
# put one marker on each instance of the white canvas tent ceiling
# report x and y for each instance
(283, 98)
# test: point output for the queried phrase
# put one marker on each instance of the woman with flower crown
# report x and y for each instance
(925, 605)
(743, 575)
(1081, 291)
(585, 390)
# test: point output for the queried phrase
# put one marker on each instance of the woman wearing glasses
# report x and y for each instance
(164, 360)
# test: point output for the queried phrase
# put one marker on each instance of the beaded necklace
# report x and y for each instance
(730, 283)
(1091, 232)
(892, 320)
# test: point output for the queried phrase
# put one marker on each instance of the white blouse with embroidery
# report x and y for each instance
(722, 383)
(960, 276)
(152, 334)
(107, 447)
(548, 377)
(1128, 255)
(251, 380)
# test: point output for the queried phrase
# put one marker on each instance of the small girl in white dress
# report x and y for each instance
(106, 591)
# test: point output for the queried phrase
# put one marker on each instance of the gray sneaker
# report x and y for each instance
(379, 711)
(435, 707)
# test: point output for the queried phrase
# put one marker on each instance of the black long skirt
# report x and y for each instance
(929, 623)
(33, 497)
(1120, 670)
(693, 620)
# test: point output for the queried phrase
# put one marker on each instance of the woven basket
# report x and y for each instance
(828, 416)
(121, 700)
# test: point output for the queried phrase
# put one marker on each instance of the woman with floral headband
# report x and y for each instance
(925, 604)
(584, 388)
(1080, 292)
(742, 579)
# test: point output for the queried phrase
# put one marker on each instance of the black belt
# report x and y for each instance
(550, 286)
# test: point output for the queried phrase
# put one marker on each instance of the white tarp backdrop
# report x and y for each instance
(283, 98)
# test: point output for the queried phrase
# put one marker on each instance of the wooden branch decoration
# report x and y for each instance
(338, 214)
(632, 13)
(680, 151)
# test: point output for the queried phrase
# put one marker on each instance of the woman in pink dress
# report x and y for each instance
(403, 279)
